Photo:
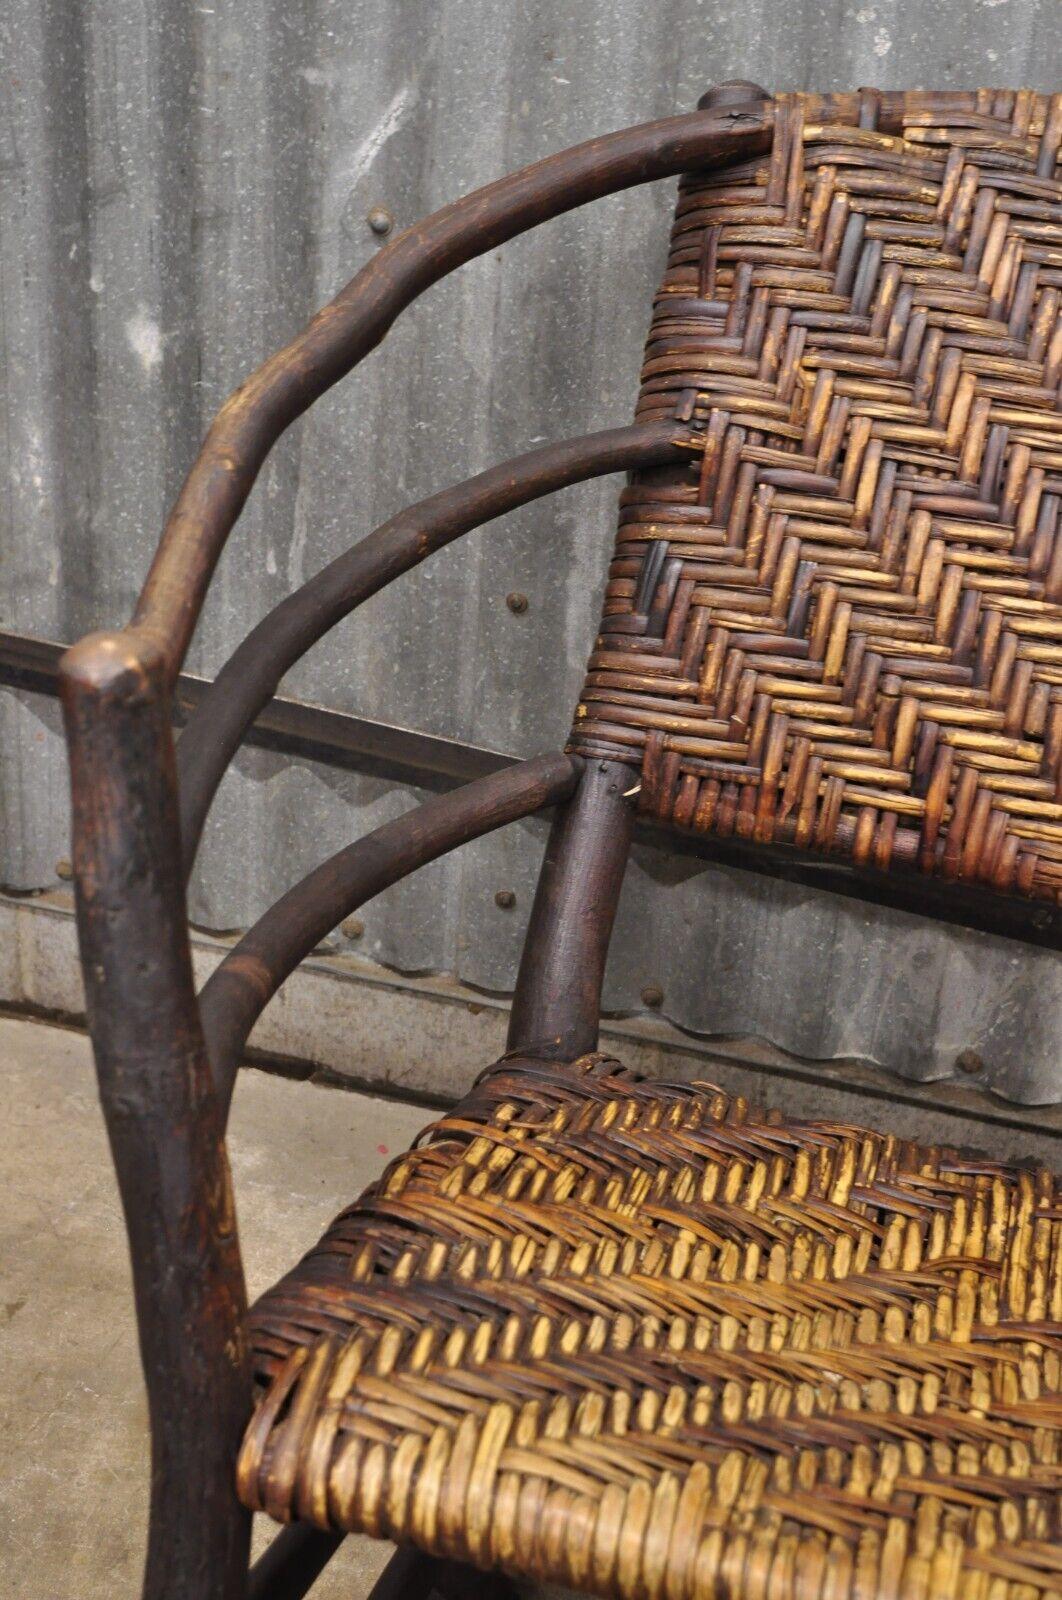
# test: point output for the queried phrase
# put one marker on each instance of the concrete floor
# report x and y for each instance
(73, 1422)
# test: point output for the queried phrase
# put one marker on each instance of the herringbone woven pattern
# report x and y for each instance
(841, 628)
(646, 1341)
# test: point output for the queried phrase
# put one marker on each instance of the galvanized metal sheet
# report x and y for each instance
(181, 186)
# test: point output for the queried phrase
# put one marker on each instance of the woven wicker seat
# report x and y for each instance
(644, 1340)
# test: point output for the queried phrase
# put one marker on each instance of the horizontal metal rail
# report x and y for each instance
(425, 761)
(293, 727)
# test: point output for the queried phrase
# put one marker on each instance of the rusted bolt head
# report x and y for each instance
(380, 220)
(516, 602)
(969, 1061)
(63, 869)
(352, 927)
(652, 995)
(505, 899)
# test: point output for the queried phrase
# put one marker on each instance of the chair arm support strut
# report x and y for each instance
(250, 677)
(241, 987)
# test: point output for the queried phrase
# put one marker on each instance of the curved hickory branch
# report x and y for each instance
(352, 324)
(253, 672)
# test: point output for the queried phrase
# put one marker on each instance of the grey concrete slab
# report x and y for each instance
(73, 1422)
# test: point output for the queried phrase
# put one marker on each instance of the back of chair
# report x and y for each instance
(839, 626)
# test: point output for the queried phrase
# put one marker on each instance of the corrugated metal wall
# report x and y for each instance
(182, 185)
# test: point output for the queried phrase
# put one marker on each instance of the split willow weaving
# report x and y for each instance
(645, 1341)
(841, 627)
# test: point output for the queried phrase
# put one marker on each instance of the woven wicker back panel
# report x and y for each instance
(841, 627)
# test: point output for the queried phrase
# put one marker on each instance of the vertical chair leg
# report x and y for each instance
(454, 1581)
(293, 1562)
(163, 1119)
(411, 1575)
(557, 1003)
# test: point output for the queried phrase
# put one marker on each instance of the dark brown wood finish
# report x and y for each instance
(453, 1580)
(300, 1553)
(409, 1575)
(164, 1119)
(252, 674)
(165, 1116)
(166, 1064)
(340, 335)
(557, 1002)
(412, 1575)
(292, 1563)
(253, 971)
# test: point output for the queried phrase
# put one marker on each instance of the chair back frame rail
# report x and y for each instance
(164, 1098)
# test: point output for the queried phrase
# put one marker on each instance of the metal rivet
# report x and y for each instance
(352, 927)
(63, 869)
(969, 1061)
(652, 995)
(516, 602)
(380, 219)
(505, 899)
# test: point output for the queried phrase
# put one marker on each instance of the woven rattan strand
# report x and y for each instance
(646, 1341)
(840, 628)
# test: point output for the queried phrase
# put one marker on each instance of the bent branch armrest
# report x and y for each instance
(253, 672)
(241, 987)
(352, 324)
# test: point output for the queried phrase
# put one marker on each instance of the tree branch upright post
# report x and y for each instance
(163, 1117)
